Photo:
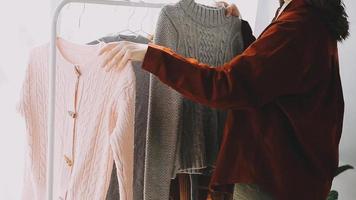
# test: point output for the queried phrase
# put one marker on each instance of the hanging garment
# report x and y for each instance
(184, 137)
(201, 186)
(200, 183)
(140, 126)
(248, 192)
(285, 103)
(94, 120)
(119, 37)
(179, 193)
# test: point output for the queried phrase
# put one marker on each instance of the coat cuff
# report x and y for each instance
(153, 58)
(158, 56)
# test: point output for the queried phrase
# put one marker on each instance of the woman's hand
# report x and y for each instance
(231, 9)
(118, 54)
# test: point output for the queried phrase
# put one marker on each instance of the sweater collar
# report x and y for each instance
(205, 15)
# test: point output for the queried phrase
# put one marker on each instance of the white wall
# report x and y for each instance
(248, 10)
(266, 10)
(347, 52)
(346, 183)
(21, 28)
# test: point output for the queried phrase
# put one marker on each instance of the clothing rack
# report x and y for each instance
(52, 74)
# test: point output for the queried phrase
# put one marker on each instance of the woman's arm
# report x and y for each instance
(277, 64)
(280, 62)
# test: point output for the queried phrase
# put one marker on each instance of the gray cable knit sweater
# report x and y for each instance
(182, 136)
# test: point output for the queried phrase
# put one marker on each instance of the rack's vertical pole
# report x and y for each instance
(51, 100)
(51, 103)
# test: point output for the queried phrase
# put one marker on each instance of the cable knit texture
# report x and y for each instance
(141, 109)
(94, 120)
(184, 137)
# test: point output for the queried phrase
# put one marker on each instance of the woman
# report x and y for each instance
(283, 95)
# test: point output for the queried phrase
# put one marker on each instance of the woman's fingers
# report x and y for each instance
(107, 54)
(229, 11)
(106, 48)
(118, 54)
(113, 62)
(222, 4)
(232, 10)
(110, 54)
(123, 62)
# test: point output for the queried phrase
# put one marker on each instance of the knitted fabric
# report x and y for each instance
(183, 136)
(140, 125)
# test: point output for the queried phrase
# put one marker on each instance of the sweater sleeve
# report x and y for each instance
(278, 63)
(122, 137)
(24, 99)
(166, 33)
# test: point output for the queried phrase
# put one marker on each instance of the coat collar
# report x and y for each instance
(291, 7)
(294, 5)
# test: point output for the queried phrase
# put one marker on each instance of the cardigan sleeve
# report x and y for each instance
(278, 63)
(23, 108)
(122, 137)
(24, 98)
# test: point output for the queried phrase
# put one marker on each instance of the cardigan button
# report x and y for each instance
(68, 161)
(77, 70)
(72, 114)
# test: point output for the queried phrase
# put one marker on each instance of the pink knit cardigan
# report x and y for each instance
(94, 119)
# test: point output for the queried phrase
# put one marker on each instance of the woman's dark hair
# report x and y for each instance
(334, 16)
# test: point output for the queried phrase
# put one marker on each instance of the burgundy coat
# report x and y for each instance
(285, 105)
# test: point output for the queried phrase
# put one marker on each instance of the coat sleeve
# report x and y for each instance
(278, 63)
